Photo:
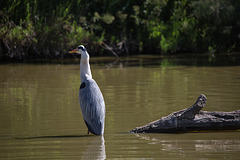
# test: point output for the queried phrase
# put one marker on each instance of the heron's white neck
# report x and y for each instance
(85, 71)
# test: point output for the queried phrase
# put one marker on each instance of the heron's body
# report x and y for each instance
(90, 96)
(92, 106)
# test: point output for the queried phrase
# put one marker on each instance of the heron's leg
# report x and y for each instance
(87, 126)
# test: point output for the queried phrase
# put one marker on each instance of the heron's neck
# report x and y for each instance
(85, 71)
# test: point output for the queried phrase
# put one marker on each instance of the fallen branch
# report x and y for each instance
(105, 46)
(193, 119)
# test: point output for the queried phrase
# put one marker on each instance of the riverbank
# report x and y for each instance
(142, 60)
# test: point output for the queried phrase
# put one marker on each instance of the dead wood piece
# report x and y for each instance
(193, 119)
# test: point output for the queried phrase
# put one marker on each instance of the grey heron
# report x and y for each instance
(90, 96)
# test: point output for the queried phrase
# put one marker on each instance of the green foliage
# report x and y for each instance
(178, 31)
(149, 26)
(218, 24)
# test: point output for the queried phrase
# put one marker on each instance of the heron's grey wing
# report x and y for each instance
(92, 106)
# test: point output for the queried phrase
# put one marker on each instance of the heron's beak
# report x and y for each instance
(74, 51)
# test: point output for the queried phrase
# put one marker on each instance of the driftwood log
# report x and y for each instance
(193, 119)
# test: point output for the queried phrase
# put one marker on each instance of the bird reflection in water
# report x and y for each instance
(95, 149)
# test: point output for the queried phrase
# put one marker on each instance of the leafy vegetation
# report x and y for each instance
(30, 29)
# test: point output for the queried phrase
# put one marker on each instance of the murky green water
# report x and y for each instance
(40, 117)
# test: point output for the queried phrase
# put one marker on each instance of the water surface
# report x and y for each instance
(40, 115)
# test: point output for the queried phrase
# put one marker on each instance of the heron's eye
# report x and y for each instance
(81, 47)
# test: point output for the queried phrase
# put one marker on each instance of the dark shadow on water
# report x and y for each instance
(93, 148)
(56, 136)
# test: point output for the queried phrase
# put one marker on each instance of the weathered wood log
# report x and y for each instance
(192, 119)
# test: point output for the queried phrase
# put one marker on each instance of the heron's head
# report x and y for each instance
(79, 50)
